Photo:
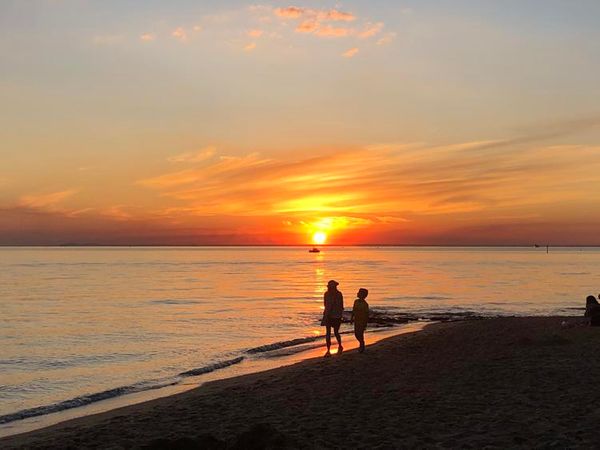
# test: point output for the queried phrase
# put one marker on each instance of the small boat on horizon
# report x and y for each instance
(314, 250)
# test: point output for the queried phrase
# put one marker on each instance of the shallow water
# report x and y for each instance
(81, 324)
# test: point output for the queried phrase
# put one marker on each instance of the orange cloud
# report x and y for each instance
(315, 20)
(40, 201)
(370, 30)
(390, 184)
(291, 12)
(494, 191)
(255, 33)
(194, 157)
(180, 34)
(350, 53)
(389, 37)
(308, 26)
(489, 191)
(147, 37)
(334, 15)
(249, 47)
(329, 31)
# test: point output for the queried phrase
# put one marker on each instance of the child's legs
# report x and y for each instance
(359, 332)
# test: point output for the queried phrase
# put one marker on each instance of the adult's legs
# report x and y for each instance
(338, 336)
(328, 337)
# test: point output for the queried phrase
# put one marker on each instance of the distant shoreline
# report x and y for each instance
(540, 247)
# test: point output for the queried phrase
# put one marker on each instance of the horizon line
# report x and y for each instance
(305, 245)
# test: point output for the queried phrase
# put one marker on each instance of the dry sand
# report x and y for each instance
(506, 383)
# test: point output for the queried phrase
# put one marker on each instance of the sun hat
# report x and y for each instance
(332, 283)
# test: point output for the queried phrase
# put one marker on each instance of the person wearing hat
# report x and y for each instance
(332, 315)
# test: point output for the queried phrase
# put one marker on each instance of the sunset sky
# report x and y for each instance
(229, 122)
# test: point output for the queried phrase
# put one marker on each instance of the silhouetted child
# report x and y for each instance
(360, 316)
(592, 310)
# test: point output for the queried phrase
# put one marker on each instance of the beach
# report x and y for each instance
(501, 382)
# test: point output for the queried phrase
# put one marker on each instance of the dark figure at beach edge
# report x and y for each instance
(592, 310)
(360, 317)
(332, 315)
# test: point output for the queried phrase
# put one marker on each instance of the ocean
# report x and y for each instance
(80, 325)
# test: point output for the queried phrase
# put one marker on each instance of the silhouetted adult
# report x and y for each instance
(592, 310)
(332, 315)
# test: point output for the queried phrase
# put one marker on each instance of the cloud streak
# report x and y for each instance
(194, 157)
(350, 53)
(370, 30)
(147, 37)
(391, 186)
(42, 201)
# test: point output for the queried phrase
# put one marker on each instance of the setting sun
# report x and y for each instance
(319, 238)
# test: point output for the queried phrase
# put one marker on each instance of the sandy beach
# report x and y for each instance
(505, 382)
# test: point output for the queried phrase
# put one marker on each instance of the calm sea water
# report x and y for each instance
(83, 324)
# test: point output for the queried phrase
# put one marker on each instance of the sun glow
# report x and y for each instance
(319, 238)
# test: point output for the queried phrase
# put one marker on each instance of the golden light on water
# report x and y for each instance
(319, 237)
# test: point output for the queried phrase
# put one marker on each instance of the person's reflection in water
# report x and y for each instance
(332, 315)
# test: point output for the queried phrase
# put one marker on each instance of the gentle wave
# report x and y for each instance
(84, 400)
(282, 344)
(211, 367)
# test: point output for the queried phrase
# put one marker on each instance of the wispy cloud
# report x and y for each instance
(194, 157)
(249, 47)
(180, 34)
(255, 33)
(308, 26)
(370, 30)
(221, 166)
(350, 53)
(331, 31)
(290, 12)
(388, 38)
(147, 37)
(322, 15)
(48, 200)
(397, 182)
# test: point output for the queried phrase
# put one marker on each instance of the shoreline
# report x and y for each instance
(502, 382)
(251, 364)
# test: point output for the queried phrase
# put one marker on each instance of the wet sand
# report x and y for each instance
(505, 383)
